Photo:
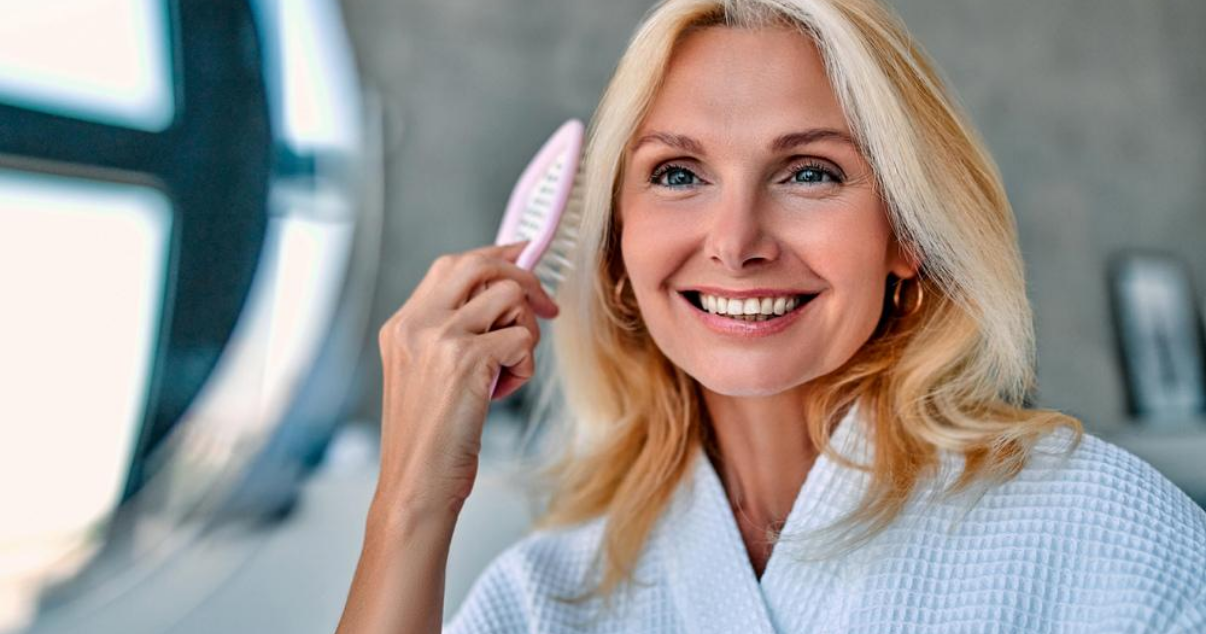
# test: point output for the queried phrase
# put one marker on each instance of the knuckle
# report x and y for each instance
(384, 336)
(388, 335)
(527, 319)
(394, 342)
(458, 348)
(525, 338)
(427, 336)
(511, 289)
(443, 263)
(444, 332)
(459, 353)
(475, 260)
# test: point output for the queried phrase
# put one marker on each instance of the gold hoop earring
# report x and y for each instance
(916, 305)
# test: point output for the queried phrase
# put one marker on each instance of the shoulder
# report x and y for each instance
(1108, 485)
(537, 574)
(1100, 514)
(1088, 533)
(1108, 494)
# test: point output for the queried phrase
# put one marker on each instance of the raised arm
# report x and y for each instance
(472, 313)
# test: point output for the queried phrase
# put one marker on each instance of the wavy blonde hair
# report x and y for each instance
(953, 375)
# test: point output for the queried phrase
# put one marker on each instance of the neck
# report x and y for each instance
(764, 452)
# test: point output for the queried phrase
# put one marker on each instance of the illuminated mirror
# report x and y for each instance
(189, 211)
(104, 60)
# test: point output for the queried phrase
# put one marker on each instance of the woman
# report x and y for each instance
(795, 352)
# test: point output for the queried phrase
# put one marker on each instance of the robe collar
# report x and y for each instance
(709, 572)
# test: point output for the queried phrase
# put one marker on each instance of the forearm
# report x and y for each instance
(398, 587)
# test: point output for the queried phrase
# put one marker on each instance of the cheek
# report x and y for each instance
(652, 248)
(850, 248)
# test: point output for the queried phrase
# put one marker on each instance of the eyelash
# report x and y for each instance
(667, 168)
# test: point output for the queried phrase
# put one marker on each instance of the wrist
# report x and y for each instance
(390, 515)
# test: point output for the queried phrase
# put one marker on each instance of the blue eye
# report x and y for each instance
(814, 174)
(674, 176)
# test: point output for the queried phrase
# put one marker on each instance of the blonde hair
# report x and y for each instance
(954, 375)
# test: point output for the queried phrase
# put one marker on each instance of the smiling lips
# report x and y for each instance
(765, 308)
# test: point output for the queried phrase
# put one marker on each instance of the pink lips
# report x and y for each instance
(733, 327)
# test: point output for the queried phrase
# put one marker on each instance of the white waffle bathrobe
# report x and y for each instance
(1098, 543)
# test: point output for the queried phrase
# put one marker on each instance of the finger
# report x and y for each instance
(440, 269)
(507, 385)
(494, 307)
(526, 319)
(508, 252)
(507, 347)
(478, 269)
(516, 314)
(514, 376)
(544, 304)
(513, 357)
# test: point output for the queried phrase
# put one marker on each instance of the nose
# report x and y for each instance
(738, 237)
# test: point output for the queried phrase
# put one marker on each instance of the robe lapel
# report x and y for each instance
(810, 596)
(710, 575)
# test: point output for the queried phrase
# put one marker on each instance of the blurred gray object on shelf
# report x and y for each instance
(1159, 335)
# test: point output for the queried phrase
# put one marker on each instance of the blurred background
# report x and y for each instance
(209, 207)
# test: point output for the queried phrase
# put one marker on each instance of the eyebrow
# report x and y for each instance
(781, 143)
(680, 141)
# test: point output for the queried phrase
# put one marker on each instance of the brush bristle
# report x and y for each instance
(556, 262)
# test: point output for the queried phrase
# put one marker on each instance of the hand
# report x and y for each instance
(472, 313)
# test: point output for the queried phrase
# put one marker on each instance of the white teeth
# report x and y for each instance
(749, 309)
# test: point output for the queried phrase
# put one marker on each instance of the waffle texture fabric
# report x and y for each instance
(1091, 541)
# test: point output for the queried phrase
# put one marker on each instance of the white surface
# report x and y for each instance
(104, 60)
(319, 100)
(295, 577)
(82, 267)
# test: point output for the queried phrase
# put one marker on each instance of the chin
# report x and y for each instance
(745, 384)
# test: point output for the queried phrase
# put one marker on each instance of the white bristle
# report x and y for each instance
(553, 265)
(558, 259)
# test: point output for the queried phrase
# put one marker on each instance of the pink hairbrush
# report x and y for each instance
(545, 208)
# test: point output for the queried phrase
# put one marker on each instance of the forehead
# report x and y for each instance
(731, 83)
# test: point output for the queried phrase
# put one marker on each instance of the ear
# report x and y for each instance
(905, 262)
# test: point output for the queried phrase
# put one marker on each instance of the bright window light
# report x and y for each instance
(101, 60)
(82, 273)
(317, 99)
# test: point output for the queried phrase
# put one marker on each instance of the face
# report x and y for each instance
(743, 189)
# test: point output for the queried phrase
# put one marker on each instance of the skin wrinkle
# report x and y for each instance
(734, 92)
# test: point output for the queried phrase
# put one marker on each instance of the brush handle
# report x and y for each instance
(494, 383)
(566, 142)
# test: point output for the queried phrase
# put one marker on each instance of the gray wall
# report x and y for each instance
(1091, 108)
